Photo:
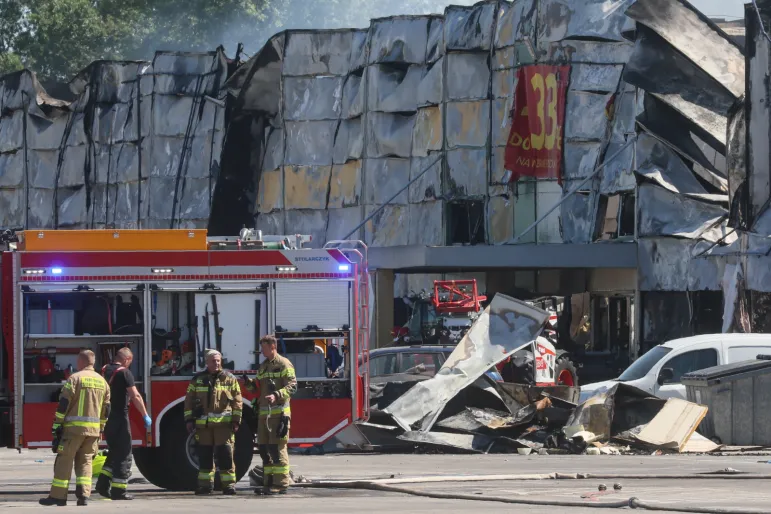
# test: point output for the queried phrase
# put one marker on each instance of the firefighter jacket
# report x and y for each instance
(213, 400)
(277, 377)
(84, 404)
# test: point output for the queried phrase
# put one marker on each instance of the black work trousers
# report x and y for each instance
(117, 466)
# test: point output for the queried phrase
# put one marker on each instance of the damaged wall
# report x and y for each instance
(362, 112)
(135, 149)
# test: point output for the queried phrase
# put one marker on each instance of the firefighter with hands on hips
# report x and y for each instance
(84, 406)
(213, 408)
(113, 479)
(276, 382)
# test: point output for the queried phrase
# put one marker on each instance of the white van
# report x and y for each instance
(660, 369)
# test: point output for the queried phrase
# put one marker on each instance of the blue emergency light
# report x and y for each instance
(56, 271)
(344, 267)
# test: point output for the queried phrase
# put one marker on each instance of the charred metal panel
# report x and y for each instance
(582, 115)
(272, 223)
(589, 19)
(383, 179)
(402, 39)
(469, 28)
(431, 88)
(428, 134)
(516, 22)
(664, 213)
(429, 186)
(467, 76)
(306, 187)
(758, 101)
(500, 219)
(435, 43)
(341, 222)
(349, 141)
(670, 264)
(580, 159)
(389, 227)
(588, 51)
(466, 172)
(618, 175)
(426, 224)
(736, 166)
(389, 135)
(501, 124)
(577, 216)
(359, 50)
(665, 73)
(697, 37)
(310, 142)
(270, 196)
(345, 185)
(547, 195)
(324, 52)
(597, 78)
(392, 88)
(317, 98)
(468, 124)
(665, 316)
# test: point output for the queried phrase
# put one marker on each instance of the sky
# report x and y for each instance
(721, 7)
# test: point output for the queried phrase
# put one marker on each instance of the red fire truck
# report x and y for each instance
(168, 295)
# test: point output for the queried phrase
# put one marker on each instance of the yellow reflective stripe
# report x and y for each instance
(205, 475)
(64, 484)
(83, 481)
(59, 416)
(280, 470)
(289, 372)
(275, 410)
(86, 424)
(67, 386)
(81, 403)
(119, 485)
(237, 412)
(227, 477)
(188, 413)
(190, 388)
(267, 470)
(107, 473)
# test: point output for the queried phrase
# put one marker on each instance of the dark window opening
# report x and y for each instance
(466, 222)
(707, 312)
(615, 217)
(610, 325)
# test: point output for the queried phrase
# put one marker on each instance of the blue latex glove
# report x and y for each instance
(148, 421)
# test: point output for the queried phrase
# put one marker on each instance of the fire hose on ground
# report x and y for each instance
(392, 485)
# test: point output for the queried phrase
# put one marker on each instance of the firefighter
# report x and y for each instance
(213, 407)
(84, 406)
(277, 383)
(113, 480)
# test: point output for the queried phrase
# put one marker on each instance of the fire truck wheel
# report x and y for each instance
(565, 371)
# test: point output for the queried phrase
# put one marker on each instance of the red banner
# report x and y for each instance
(534, 148)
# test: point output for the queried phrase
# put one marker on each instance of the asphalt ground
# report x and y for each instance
(26, 476)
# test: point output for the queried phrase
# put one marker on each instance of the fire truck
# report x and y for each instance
(168, 295)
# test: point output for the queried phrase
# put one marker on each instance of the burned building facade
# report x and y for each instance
(397, 134)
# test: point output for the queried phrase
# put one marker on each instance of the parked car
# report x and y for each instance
(660, 369)
(423, 360)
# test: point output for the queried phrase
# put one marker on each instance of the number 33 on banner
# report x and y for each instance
(546, 89)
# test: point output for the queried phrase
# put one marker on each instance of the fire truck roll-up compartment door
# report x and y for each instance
(242, 319)
(300, 304)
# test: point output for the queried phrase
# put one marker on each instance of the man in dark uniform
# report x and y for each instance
(113, 480)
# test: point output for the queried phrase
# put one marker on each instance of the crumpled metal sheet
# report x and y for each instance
(306, 187)
(341, 222)
(697, 37)
(468, 123)
(670, 264)
(566, 19)
(392, 89)
(472, 442)
(581, 158)
(588, 51)
(309, 142)
(426, 224)
(387, 227)
(516, 21)
(345, 185)
(389, 135)
(428, 134)
(349, 141)
(617, 176)
(401, 39)
(307, 99)
(383, 178)
(500, 219)
(429, 186)
(598, 78)
(504, 327)
(584, 110)
(577, 216)
(469, 28)
(467, 172)
(321, 52)
(664, 213)
(657, 162)
(662, 71)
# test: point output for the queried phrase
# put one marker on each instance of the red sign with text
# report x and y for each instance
(534, 148)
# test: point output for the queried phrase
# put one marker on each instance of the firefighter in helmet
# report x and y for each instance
(84, 405)
(213, 407)
(277, 383)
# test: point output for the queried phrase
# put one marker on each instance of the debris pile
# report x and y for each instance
(461, 408)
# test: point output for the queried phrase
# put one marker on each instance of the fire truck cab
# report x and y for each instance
(168, 295)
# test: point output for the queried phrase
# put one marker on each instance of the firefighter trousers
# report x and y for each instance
(215, 444)
(275, 457)
(117, 467)
(78, 450)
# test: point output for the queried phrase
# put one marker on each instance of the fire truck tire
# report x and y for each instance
(173, 465)
(565, 371)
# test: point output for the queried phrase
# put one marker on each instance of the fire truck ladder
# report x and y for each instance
(357, 251)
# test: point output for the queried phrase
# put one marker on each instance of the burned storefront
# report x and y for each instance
(402, 135)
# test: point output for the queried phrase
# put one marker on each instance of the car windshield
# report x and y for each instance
(644, 364)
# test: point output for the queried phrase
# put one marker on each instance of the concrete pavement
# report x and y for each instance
(25, 477)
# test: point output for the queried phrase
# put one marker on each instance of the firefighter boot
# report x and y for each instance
(50, 502)
(120, 495)
(103, 486)
(82, 499)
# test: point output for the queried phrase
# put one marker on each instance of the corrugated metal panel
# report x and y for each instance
(324, 304)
